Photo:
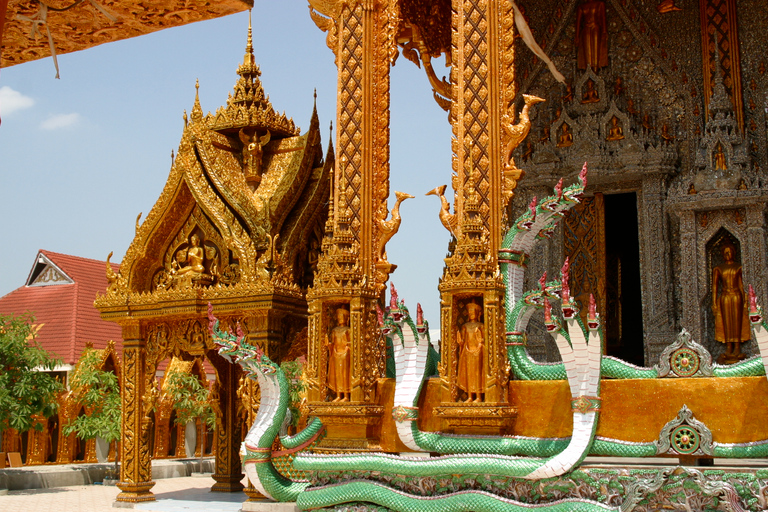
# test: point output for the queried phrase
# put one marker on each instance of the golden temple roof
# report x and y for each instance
(75, 26)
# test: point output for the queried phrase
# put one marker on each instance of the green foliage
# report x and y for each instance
(296, 386)
(24, 392)
(99, 392)
(190, 399)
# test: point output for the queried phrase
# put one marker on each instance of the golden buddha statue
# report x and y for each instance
(340, 357)
(592, 35)
(471, 343)
(566, 137)
(544, 134)
(568, 96)
(665, 133)
(615, 132)
(647, 126)
(590, 93)
(189, 265)
(719, 158)
(631, 107)
(527, 150)
(618, 86)
(728, 306)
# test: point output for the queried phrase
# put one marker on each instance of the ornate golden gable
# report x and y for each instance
(238, 225)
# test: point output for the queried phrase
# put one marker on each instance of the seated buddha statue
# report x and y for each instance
(615, 132)
(566, 137)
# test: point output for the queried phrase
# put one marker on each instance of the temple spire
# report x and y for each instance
(197, 110)
(249, 59)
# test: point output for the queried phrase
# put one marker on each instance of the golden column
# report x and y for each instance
(483, 93)
(135, 461)
(350, 274)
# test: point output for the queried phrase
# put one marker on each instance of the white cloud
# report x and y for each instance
(60, 121)
(11, 101)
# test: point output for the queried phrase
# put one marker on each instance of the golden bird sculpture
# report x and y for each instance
(518, 131)
(448, 219)
(389, 227)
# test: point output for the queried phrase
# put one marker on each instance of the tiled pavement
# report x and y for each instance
(173, 495)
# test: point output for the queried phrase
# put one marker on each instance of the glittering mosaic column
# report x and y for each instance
(351, 276)
(483, 92)
(135, 462)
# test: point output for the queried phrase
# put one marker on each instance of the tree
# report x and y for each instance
(191, 401)
(296, 387)
(24, 390)
(99, 392)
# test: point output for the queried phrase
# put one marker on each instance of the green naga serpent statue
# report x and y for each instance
(466, 473)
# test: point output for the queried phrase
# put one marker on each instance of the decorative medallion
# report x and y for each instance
(685, 358)
(685, 435)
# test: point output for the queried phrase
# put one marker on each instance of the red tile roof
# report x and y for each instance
(64, 313)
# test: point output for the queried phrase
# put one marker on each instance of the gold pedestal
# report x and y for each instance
(476, 418)
(135, 493)
(351, 425)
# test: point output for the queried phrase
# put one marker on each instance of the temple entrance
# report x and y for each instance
(601, 241)
(624, 307)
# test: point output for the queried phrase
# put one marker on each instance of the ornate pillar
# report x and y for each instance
(754, 255)
(135, 461)
(229, 435)
(483, 91)
(351, 275)
(689, 283)
(655, 266)
(266, 330)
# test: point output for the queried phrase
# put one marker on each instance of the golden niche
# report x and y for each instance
(728, 306)
(340, 357)
(471, 342)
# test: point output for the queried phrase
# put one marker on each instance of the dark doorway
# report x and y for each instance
(53, 438)
(624, 315)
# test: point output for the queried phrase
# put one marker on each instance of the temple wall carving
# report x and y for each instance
(690, 144)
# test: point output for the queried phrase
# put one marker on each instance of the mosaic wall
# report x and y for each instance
(648, 119)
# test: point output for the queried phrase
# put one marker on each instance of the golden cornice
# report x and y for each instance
(253, 292)
(84, 26)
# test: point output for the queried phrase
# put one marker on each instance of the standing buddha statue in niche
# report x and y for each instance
(719, 158)
(728, 306)
(340, 357)
(471, 343)
(592, 35)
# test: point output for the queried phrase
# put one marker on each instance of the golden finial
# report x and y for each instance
(197, 110)
(249, 59)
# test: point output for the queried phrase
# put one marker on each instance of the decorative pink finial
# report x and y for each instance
(565, 290)
(419, 314)
(379, 315)
(543, 281)
(393, 297)
(532, 206)
(547, 312)
(239, 332)
(592, 314)
(752, 300)
(559, 189)
(583, 175)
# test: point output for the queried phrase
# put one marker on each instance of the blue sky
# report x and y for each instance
(80, 157)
